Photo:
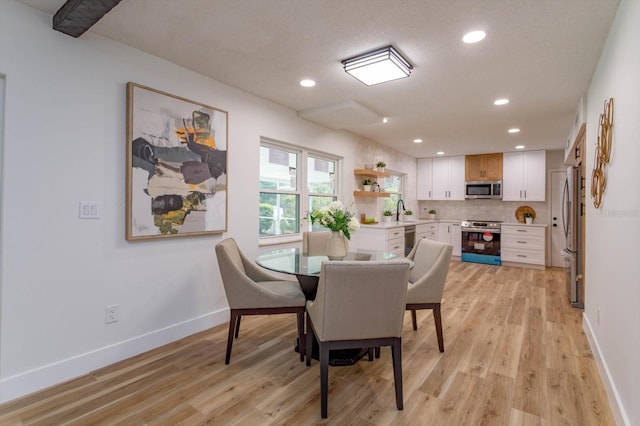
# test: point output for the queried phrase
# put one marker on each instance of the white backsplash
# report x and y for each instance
(483, 210)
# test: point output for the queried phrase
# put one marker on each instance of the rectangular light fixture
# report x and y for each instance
(378, 66)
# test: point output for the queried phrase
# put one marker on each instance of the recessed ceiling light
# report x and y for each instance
(474, 36)
(385, 119)
(514, 130)
(502, 101)
(307, 83)
(440, 153)
(519, 146)
(417, 140)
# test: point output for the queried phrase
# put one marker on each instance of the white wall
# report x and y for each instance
(65, 142)
(613, 230)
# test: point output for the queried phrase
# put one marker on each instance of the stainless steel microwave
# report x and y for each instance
(483, 189)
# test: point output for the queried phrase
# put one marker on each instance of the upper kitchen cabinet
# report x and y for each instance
(448, 178)
(483, 167)
(524, 176)
(424, 185)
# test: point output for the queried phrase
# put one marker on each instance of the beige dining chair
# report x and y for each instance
(252, 291)
(358, 305)
(315, 243)
(427, 279)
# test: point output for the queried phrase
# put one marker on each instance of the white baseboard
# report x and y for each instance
(617, 408)
(58, 372)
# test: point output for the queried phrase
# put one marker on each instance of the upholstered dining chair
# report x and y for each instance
(252, 291)
(315, 243)
(427, 279)
(358, 304)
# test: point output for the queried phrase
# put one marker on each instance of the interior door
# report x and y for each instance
(558, 239)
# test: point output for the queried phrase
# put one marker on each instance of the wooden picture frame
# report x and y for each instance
(176, 166)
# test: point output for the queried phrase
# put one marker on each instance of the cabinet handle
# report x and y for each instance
(522, 230)
(522, 242)
(429, 193)
(521, 194)
(525, 194)
(522, 255)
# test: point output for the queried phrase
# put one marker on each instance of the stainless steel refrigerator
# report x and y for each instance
(571, 214)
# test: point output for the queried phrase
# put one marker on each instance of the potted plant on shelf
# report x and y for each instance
(366, 184)
(386, 215)
(432, 214)
(380, 165)
(528, 218)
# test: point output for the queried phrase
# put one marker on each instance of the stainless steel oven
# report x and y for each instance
(481, 242)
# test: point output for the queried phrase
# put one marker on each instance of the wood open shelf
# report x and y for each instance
(370, 194)
(371, 172)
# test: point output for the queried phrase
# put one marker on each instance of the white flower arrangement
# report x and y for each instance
(337, 218)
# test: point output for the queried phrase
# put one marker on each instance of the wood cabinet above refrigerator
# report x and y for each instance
(483, 167)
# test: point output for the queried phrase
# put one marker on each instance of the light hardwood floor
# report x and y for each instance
(515, 354)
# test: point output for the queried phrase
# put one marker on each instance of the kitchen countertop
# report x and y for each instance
(396, 224)
(533, 225)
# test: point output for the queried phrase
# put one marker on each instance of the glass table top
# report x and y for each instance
(294, 261)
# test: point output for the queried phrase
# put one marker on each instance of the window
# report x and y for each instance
(292, 182)
(393, 186)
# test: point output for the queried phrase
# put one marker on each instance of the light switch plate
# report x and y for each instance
(89, 210)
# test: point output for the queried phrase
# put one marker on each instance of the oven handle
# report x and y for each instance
(470, 229)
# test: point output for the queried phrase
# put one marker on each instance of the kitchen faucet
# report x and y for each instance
(398, 209)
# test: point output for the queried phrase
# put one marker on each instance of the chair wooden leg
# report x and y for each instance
(232, 326)
(302, 345)
(370, 353)
(377, 351)
(414, 320)
(238, 325)
(396, 355)
(438, 320)
(309, 342)
(324, 378)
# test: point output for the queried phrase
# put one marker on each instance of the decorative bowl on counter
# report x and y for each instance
(523, 212)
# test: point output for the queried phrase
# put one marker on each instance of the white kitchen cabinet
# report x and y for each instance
(523, 245)
(451, 233)
(382, 239)
(524, 176)
(428, 231)
(448, 178)
(424, 185)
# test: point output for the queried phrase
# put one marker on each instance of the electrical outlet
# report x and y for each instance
(111, 314)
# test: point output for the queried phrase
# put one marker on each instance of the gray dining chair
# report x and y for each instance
(315, 243)
(358, 305)
(427, 279)
(252, 291)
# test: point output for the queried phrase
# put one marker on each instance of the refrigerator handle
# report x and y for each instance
(566, 208)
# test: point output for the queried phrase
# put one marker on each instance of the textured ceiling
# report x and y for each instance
(541, 54)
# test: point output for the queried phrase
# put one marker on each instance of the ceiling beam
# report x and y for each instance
(77, 16)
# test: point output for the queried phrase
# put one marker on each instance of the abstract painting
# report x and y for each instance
(176, 166)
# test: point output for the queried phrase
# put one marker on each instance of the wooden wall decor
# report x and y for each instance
(602, 153)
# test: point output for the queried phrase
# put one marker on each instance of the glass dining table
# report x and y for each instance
(306, 267)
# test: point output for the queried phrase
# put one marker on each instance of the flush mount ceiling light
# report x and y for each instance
(307, 83)
(502, 101)
(514, 130)
(417, 140)
(378, 66)
(519, 146)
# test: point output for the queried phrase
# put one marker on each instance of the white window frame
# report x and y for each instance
(302, 187)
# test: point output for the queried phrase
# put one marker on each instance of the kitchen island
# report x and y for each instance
(400, 236)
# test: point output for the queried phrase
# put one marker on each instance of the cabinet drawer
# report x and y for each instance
(522, 230)
(393, 233)
(396, 246)
(429, 235)
(426, 227)
(533, 242)
(535, 257)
